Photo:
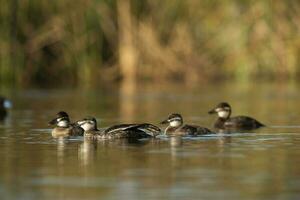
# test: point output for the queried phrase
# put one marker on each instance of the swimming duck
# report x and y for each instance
(4, 105)
(224, 120)
(64, 128)
(176, 127)
(138, 131)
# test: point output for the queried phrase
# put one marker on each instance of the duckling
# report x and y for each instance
(64, 128)
(138, 131)
(224, 120)
(176, 127)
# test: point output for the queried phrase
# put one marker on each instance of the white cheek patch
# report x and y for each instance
(62, 123)
(87, 126)
(223, 114)
(175, 123)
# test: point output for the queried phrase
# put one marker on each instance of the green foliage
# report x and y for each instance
(49, 42)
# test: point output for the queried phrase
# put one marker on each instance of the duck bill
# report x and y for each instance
(80, 122)
(213, 111)
(53, 122)
(165, 122)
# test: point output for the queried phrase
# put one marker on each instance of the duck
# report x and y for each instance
(225, 121)
(176, 127)
(63, 126)
(135, 131)
(4, 105)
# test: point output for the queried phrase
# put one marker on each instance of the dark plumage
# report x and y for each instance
(137, 131)
(176, 127)
(224, 120)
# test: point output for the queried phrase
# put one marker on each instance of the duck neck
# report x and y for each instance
(220, 122)
(170, 129)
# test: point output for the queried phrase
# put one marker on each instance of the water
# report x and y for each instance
(263, 164)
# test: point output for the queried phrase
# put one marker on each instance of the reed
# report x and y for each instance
(82, 42)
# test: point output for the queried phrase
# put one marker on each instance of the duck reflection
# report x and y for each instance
(87, 151)
(176, 141)
(125, 142)
(61, 145)
(224, 140)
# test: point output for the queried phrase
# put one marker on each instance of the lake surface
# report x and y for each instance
(264, 164)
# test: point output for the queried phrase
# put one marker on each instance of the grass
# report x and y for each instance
(54, 42)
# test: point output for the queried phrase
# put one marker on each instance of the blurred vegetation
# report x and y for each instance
(87, 41)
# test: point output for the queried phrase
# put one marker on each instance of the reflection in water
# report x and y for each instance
(256, 165)
(61, 144)
(175, 145)
(176, 141)
(224, 140)
(5, 122)
(87, 151)
(132, 142)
